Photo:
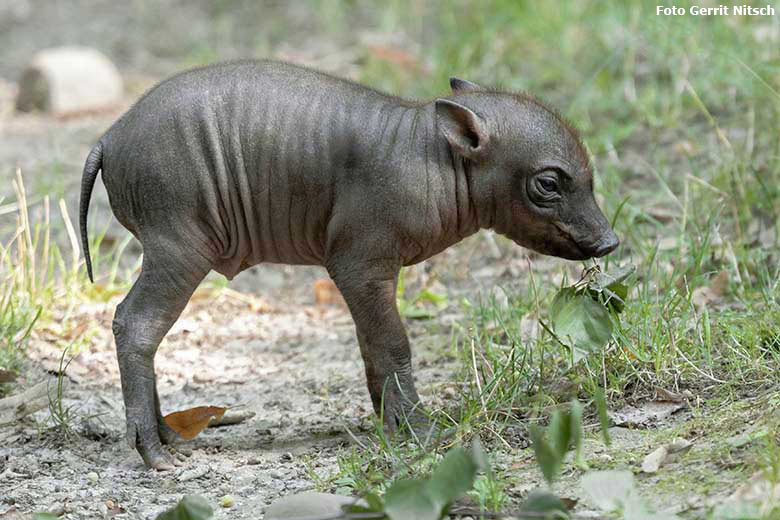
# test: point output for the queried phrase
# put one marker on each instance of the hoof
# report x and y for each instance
(148, 444)
(160, 461)
(413, 421)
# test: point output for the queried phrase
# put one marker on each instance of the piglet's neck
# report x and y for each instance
(453, 190)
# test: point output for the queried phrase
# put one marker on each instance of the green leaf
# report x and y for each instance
(453, 477)
(45, 516)
(540, 502)
(547, 458)
(737, 510)
(615, 302)
(610, 289)
(410, 500)
(426, 295)
(575, 419)
(479, 456)
(613, 277)
(191, 507)
(601, 408)
(581, 323)
(562, 299)
(559, 433)
(430, 499)
(417, 313)
(374, 502)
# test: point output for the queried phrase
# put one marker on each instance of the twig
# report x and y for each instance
(476, 378)
(17, 406)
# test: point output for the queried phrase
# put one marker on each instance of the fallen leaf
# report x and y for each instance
(684, 147)
(655, 460)
(394, 55)
(679, 446)
(6, 376)
(713, 293)
(664, 454)
(645, 415)
(255, 304)
(76, 331)
(326, 293)
(662, 394)
(189, 423)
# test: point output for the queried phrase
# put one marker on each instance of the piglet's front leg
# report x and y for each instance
(369, 289)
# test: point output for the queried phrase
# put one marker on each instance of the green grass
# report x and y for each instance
(682, 116)
(35, 272)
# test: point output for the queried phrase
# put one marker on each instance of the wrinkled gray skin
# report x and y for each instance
(239, 163)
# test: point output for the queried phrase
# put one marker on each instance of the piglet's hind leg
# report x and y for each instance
(169, 276)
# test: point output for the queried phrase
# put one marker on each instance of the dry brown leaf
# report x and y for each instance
(76, 331)
(662, 394)
(189, 423)
(6, 376)
(664, 215)
(255, 304)
(394, 55)
(644, 415)
(714, 292)
(653, 462)
(326, 293)
(665, 454)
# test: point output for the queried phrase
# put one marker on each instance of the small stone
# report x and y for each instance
(227, 501)
(55, 81)
(275, 473)
(308, 504)
(93, 477)
(187, 452)
(194, 473)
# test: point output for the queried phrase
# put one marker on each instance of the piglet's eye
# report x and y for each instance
(543, 189)
(547, 184)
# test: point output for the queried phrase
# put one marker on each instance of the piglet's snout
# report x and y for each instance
(608, 243)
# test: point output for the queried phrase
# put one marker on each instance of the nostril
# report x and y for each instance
(607, 245)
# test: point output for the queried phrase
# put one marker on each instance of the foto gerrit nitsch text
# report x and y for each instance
(721, 10)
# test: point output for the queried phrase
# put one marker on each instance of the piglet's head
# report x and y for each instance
(530, 177)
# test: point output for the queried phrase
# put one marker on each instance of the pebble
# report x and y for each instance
(227, 501)
(275, 473)
(307, 505)
(93, 477)
(194, 473)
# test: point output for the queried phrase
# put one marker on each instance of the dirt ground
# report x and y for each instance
(296, 366)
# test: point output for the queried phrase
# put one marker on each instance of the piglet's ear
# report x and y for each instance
(464, 129)
(459, 86)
